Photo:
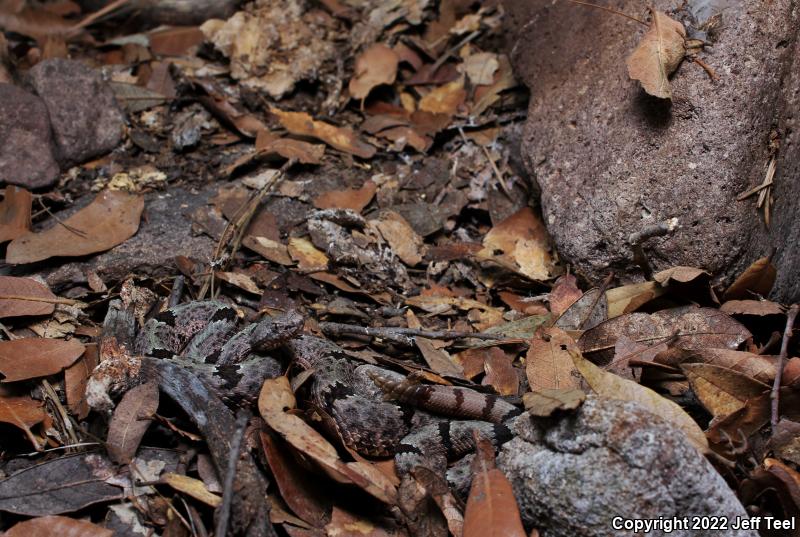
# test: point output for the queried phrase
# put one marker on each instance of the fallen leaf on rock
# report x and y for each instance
(130, 421)
(686, 327)
(375, 66)
(445, 99)
(681, 275)
(27, 358)
(611, 386)
(402, 239)
(24, 296)
(758, 308)
(658, 55)
(544, 403)
(722, 391)
(631, 297)
(491, 510)
(191, 487)
(548, 363)
(563, 294)
(275, 399)
(308, 258)
(349, 198)
(111, 219)
(756, 281)
(47, 526)
(341, 138)
(585, 313)
(520, 243)
(15, 212)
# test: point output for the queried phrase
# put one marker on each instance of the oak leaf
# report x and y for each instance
(375, 66)
(658, 55)
(26, 358)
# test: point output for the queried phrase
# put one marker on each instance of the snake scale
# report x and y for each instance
(376, 412)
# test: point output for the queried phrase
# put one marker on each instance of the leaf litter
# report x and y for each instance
(365, 149)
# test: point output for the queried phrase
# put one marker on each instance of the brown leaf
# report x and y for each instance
(548, 364)
(22, 412)
(275, 399)
(492, 510)
(544, 403)
(786, 440)
(626, 350)
(130, 421)
(438, 359)
(175, 41)
(631, 297)
(486, 96)
(585, 313)
(758, 308)
(375, 66)
(349, 198)
(269, 249)
(341, 138)
(501, 374)
(47, 526)
(32, 21)
(658, 55)
(191, 487)
(76, 377)
(722, 391)
(744, 422)
(686, 327)
(29, 297)
(757, 366)
(28, 358)
(564, 293)
(402, 238)
(308, 258)
(757, 280)
(613, 387)
(15, 210)
(520, 242)
(111, 219)
(680, 275)
(445, 99)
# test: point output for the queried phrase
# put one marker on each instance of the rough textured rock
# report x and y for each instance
(610, 160)
(165, 232)
(611, 459)
(85, 117)
(26, 155)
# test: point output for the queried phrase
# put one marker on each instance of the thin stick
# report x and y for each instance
(610, 10)
(230, 474)
(791, 315)
(89, 19)
(56, 300)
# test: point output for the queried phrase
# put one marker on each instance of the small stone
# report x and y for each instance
(26, 150)
(84, 115)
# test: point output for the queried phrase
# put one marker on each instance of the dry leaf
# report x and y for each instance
(191, 487)
(759, 308)
(308, 258)
(630, 297)
(722, 391)
(486, 96)
(269, 249)
(757, 280)
(349, 198)
(548, 364)
(76, 377)
(492, 510)
(544, 403)
(242, 281)
(15, 209)
(341, 138)
(585, 313)
(111, 219)
(375, 66)
(564, 293)
(445, 99)
(438, 360)
(520, 243)
(658, 55)
(23, 412)
(130, 421)
(501, 374)
(47, 526)
(27, 358)
(480, 68)
(613, 387)
(275, 399)
(402, 238)
(29, 297)
(680, 274)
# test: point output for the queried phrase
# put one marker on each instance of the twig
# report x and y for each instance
(614, 11)
(89, 19)
(636, 239)
(492, 163)
(452, 50)
(71, 229)
(402, 335)
(56, 300)
(712, 74)
(230, 473)
(791, 315)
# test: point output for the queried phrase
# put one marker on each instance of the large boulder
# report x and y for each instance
(611, 160)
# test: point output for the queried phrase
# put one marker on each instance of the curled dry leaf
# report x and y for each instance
(520, 243)
(22, 412)
(111, 219)
(548, 364)
(544, 403)
(658, 55)
(24, 296)
(630, 297)
(47, 526)
(492, 510)
(758, 308)
(375, 66)
(563, 294)
(611, 386)
(191, 487)
(15, 209)
(27, 358)
(130, 421)
(757, 280)
(722, 391)
(681, 275)
(341, 138)
(275, 399)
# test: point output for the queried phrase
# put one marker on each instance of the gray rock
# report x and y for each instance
(610, 160)
(84, 115)
(26, 152)
(610, 459)
(165, 232)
